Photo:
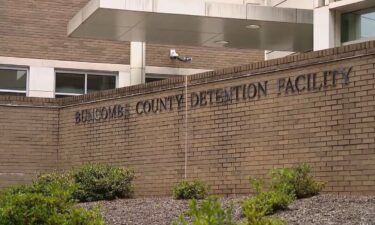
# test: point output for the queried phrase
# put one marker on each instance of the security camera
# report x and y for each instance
(174, 55)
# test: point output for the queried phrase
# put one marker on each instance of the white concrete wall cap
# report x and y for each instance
(82, 15)
(226, 10)
(190, 7)
(265, 13)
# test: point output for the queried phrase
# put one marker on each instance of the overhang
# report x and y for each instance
(195, 23)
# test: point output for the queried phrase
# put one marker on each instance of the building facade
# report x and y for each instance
(38, 59)
(222, 126)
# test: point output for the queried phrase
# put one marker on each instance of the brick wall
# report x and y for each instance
(38, 29)
(28, 138)
(203, 57)
(226, 141)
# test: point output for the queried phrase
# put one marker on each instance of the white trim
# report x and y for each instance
(27, 81)
(68, 94)
(87, 66)
(86, 83)
(12, 91)
(13, 61)
(351, 5)
(11, 67)
(89, 72)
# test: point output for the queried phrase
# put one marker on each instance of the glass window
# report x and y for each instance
(70, 84)
(358, 25)
(152, 77)
(12, 93)
(99, 83)
(13, 81)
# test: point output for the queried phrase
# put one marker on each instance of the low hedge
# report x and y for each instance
(297, 181)
(45, 203)
(194, 189)
(102, 182)
(51, 198)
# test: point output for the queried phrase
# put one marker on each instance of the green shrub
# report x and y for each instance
(267, 203)
(209, 213)
(286, 185)
(79, 216)
(53, 184)
(253, 217)
(36, 209)
(102, 182)
(48, 204)
(190, 190)
(296, 181)
(256, 208)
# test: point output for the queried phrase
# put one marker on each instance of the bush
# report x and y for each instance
(44, 202)
(253, 217)
(296, 181)
(36, 209)
(267, 203)
(210, 212)
(50, 199)
(53, 184)
(287, 184)
(190, 190)
(256, 208)
(102, 182)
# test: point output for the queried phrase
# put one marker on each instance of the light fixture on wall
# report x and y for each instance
(222, 42)
(174, 55)
(253, 26)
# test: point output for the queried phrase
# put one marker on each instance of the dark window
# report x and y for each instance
(13, 81)
(100, 82)
(12, 93)
(70, 84)
(153, 79)
(358, 25)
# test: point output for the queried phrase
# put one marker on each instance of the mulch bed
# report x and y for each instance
(323, 209)
(331, 210)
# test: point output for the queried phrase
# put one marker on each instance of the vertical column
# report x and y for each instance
(124, 79)
(324, 28)
(137, 63)
(41, 82)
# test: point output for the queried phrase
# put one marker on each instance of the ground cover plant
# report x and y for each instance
(51, 198)
(264, 203)
(47, 201)
(297, 181)
(286, 185)
(195, 189)
(209, 212)
(102, 182)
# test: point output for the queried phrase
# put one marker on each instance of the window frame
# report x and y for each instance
(158, 76)
(85, 73)
(339, 23)
(26, 92)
